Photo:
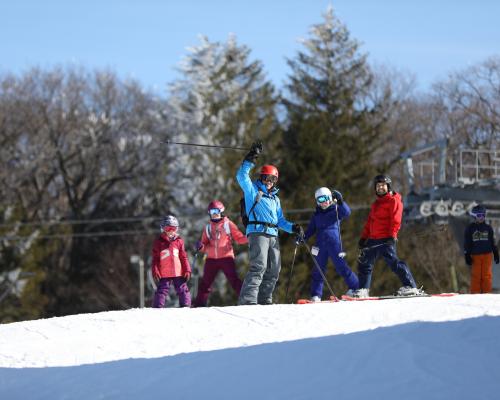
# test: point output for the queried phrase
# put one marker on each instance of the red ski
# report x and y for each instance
(332, 299)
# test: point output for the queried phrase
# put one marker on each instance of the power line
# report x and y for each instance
(136, 219)
(87, 234)
(78, 221)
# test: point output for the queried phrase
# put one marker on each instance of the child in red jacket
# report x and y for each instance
(170, 264)
(216, 242)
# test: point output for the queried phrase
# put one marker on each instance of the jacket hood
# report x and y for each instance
(328, 209)
(166, 239)
(219, 222)
(388, 197)
(263, 188)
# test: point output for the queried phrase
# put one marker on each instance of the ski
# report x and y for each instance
(392, 297)
(332, 299)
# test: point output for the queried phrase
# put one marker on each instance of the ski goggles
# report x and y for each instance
(323, 199)
(169, 228)
(480, 216)
(269, 178)
(214, 211)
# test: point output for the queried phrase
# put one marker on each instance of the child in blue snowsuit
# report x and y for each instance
(325, 223)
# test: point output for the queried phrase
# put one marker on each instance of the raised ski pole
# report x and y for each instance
(320, 271)
(342, 253)
(169, 142)
(291, 272)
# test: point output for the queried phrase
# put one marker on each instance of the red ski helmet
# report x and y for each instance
(269, 170)
(216, 204)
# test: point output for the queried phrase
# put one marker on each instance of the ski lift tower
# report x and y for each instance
(443, 189)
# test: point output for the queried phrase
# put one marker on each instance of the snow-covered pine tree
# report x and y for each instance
(222, 98)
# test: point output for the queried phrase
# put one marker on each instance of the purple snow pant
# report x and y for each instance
(181, 288)
(212, 267)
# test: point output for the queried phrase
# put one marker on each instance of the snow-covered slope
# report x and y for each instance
(431, 348)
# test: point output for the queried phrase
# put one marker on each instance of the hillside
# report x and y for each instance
(420, 348)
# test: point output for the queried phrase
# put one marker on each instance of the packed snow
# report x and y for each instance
(418, 348)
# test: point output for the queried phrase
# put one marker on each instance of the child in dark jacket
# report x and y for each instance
(325, 223)
(170, 264)
(479, 251)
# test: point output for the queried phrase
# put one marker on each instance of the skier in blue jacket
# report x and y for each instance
(265, 217)
(325, 223)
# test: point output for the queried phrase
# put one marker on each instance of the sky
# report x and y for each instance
(147, 39)
(417, 348)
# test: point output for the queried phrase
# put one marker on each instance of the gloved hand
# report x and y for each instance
(362, 243)
(338, 197)
(254, 152)
(198, 246)
(297, 229)
(299, 240)
(156, 275)
(187, 275)
(468, 259)
(495, 255)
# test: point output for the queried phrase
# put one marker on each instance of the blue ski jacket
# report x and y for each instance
(326, 226)
(267, 210)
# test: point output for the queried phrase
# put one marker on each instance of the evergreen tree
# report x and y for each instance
(333, 125)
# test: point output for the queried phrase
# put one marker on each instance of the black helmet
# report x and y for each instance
(382, 178)
(478, 211)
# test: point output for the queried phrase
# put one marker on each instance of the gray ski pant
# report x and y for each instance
(265, 265)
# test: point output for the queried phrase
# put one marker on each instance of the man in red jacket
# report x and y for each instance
(378, 239)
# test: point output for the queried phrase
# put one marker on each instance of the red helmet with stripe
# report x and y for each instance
(269, 170)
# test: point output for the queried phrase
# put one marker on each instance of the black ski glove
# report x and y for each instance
(495, 255)
(338, 197)
(254, 152)
(468, 259)
(297, 229)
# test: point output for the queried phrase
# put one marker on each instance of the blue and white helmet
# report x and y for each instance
(169, 220)
(322, 194)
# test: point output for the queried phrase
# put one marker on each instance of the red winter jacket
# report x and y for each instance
(169, 258)
(217, 236)
(385, 217)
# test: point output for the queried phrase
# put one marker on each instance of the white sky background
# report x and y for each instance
(147, 39)
(419, 348)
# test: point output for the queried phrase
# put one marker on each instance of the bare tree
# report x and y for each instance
(77, 145)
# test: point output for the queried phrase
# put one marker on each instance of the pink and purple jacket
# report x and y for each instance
(217, 236)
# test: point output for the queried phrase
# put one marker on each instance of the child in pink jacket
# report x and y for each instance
(216, 243)
(170, 264)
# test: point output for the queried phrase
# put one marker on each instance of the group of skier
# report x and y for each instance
(263, 218)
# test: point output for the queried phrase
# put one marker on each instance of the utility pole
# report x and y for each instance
(137, 260)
